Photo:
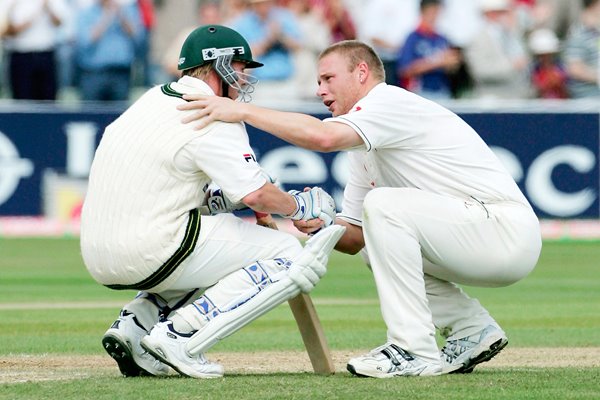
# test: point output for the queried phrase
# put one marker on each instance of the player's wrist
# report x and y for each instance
(245, 111)
(297, 211)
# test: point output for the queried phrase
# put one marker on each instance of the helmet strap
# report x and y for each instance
(224, 88)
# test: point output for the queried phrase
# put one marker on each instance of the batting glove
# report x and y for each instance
(314, 203)
(218, 203)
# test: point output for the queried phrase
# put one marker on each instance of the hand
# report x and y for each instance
(451, 59)
(218, 203)
(207, 109)
(313, 203)
(309, 227)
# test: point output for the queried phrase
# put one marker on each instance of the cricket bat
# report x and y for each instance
(307, 319)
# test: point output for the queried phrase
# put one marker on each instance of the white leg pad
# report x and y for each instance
(245, 295)
(220, 321)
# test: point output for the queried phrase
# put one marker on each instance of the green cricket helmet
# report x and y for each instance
(220, 46)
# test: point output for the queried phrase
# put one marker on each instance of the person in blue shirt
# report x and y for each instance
(427, 57)
(274, 34)
(107, 34)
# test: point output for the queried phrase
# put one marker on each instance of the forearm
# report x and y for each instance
(98, 30)
(270, 199)
(127, 27)
(579, 71)
(54, 17)
(352, 241)
(422, 66)
(290, 43)
(299, 129)
(14, 29)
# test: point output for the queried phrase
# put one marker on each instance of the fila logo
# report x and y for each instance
(249, 157)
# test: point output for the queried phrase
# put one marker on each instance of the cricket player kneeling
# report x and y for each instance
(235, 301)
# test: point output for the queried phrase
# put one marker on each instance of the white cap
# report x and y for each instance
(543, 41)
(494, 5)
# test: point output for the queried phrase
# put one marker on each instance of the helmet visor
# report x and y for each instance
(242, 82)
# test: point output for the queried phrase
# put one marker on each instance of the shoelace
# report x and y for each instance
(455, 348)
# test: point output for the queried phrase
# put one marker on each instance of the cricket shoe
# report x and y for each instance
(462, 355)
(168, 345)
(122, 342)
(390, 360)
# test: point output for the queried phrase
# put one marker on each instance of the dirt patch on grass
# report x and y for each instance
(31, 368)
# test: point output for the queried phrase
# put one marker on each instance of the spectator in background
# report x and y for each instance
(548, 76)
(4, 7)
(581, 53)
(316, 38)
(107, 35)
(274, 35)
(426, 57)
(560, 14)
(232, 10)
(338, 19)
(3, 28)
(459, 21)
(209, 13)
(497, 57)
(165, 32)
(31, 44)
(146, 12)
(461, 79)
(385, 26)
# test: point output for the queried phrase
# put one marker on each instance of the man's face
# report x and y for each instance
(238, 67)
(338, 87)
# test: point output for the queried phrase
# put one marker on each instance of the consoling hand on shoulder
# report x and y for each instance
(205, 109)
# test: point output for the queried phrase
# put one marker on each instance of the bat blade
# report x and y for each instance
(308, 322)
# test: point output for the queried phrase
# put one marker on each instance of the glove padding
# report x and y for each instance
(218, 203)
(305, 277)
(314, 203)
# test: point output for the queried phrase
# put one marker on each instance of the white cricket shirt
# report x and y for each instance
(148, 172)
(412, 142)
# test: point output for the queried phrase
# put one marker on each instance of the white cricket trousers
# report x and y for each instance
(420, 244)
(226, 244)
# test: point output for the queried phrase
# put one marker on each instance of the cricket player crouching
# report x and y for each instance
(200, 277)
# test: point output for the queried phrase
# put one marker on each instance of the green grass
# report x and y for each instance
(488, 384)
(556, 306)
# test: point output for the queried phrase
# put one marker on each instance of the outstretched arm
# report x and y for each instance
(350, 243)
(299, 129)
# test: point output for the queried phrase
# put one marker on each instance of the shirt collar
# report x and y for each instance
(187, 84)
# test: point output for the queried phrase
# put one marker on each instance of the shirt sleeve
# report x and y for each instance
(385, 124)
(225, 155)
(575, 49)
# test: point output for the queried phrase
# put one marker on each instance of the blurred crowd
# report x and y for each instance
(101, 50)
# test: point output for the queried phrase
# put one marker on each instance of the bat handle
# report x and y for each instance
(265, 219)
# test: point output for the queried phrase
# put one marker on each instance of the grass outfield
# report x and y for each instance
(53, 316)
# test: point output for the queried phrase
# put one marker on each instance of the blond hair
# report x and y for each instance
(356, 52)
(200, 72)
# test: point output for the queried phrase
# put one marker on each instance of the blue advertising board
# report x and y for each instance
(552, 156)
